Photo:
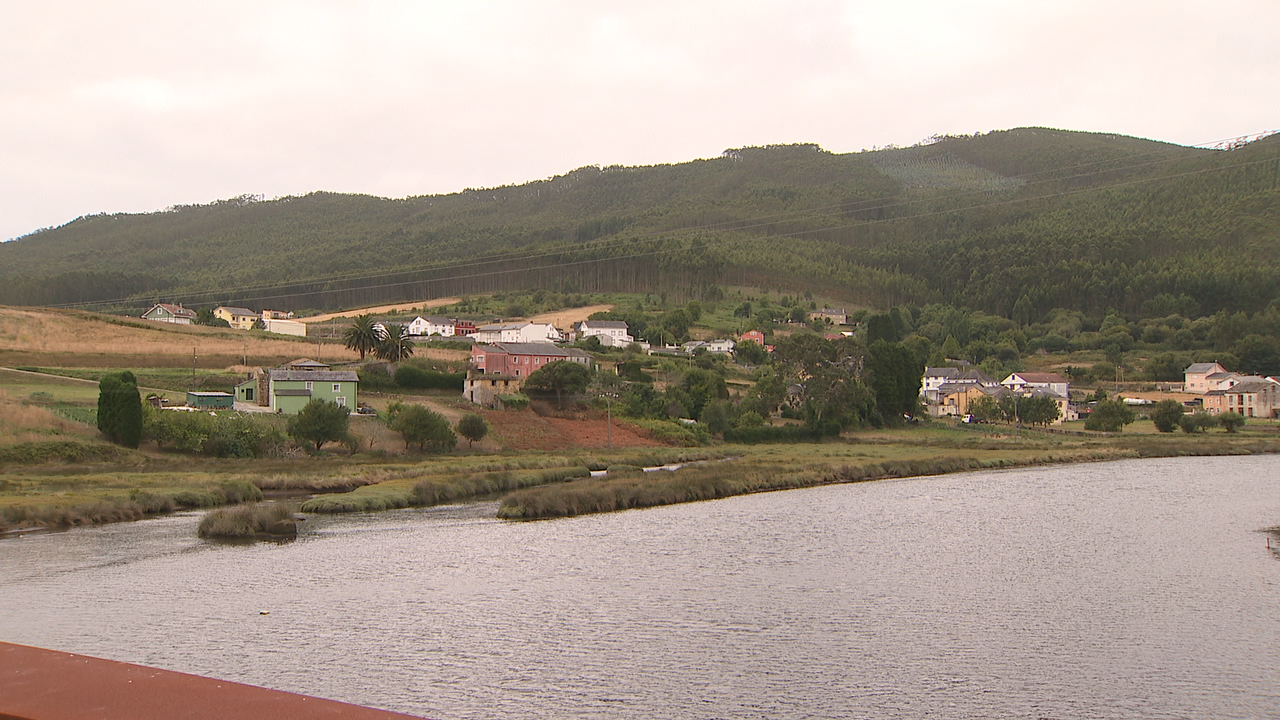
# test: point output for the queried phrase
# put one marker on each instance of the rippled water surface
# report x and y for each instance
(1138, 589)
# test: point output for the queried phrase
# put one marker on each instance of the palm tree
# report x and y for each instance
(362, 336)
(396, 345)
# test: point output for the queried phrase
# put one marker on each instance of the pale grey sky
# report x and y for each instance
(133, 106)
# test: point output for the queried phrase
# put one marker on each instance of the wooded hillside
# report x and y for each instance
(1030, 217)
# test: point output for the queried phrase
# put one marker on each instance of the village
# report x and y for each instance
(504, 354)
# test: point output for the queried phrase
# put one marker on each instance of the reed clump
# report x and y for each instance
(640, 490)
(439, 489)
(438, 492)
(370, 498)
(249, 521)
(622, 468)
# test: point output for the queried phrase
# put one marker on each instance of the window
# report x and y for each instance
(337, 387)
(308, 384)
(340, 400)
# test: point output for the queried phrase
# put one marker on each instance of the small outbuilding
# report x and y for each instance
(211, 400)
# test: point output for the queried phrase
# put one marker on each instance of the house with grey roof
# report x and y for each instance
(288, 388)
(1253, 397)
(1196, 377)
(238, 317)
(612, 333)
(444, 327)
(935, 377)
(517, 332)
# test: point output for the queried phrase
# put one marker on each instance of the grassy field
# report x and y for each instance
(71, 338)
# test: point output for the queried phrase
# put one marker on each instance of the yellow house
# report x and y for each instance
(240, 318)
(954, 399)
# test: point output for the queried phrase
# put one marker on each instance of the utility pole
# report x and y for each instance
(608, 414)
(192, 387)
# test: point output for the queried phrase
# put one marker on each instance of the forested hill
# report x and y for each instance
(1031, 217)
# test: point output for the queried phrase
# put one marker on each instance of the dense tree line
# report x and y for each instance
(1023, 221)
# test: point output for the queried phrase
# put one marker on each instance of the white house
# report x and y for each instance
(285, 327)
(936, 377)
(719, 346)
(433, 326)
(520, 332)
(612, 333)
(1024, 382)
(1050, 385)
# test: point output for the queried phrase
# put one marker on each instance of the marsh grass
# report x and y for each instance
(438, 489)
(69, 501)
(249, 521)
(763, 472)
(68, 451)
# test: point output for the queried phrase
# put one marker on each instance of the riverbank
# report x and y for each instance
(749, 475)
(69, 495)
(546, 485)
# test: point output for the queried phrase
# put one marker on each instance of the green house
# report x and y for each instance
(288, 391)
(212, 400)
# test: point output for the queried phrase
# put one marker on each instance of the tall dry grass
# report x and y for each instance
(247, 521)
(23, 422)
(75, 333)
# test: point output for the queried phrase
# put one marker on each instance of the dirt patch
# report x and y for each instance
(568, 316)
(421, 304)
(526, 430)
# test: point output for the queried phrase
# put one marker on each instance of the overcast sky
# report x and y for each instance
(133, 106)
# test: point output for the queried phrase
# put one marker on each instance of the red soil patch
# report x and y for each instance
(526, 430)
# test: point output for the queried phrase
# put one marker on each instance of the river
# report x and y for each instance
(1133, 589)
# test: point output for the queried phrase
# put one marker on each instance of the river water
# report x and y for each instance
(1136, 589)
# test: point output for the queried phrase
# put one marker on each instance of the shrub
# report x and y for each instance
(673, 433)
(120, 408)
(473, 428)
(375, 377)
(1109, 416)
(1166, 415)
(514, 401)
(240, 436)
(409, 376)
(419, 424)
(1197, 422)
(320, 422)
(772, 434)
(1231, 421)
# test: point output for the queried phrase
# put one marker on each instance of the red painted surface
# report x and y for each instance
(38, 684)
